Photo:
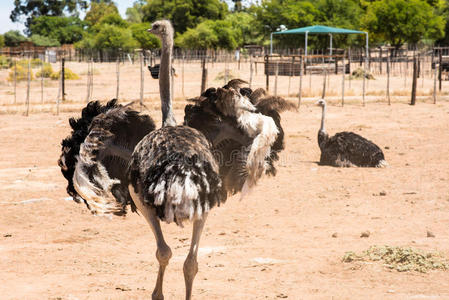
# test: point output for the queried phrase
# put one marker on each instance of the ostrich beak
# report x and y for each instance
(149, 30)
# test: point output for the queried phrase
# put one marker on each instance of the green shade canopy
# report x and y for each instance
(319, 29)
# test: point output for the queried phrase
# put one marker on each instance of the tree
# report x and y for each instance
(248, 29)
(44, 41)
(2, 41)
(184, 13)
(403, 21)
(134, 14)
(13, 38)
(98, 10)
(66, 30)
(145, 39)
(291, 13)
(114, 37)
(31, 9)
(210, 34)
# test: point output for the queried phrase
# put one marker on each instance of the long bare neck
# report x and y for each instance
(165, 81)
(323, 116)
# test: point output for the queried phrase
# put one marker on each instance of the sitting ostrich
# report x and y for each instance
(175, 173)
(347, 149)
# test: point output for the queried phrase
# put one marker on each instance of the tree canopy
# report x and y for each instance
(184, 14)
(211, 24)
(30, 9)
(403, 21)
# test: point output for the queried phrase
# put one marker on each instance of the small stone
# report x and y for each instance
(281, 296)
(365, 234)
(334, 235)
(222, 233)
(383, 193)
(430, 234)
(386, 147)
(7, 235)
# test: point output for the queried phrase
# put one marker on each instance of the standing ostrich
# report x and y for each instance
(173, 174)
(347, 149)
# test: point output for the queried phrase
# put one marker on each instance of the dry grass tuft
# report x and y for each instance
(401, 259)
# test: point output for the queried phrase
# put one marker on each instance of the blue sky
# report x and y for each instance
(6, 6)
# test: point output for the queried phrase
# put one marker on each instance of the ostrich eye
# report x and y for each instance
(155, 26)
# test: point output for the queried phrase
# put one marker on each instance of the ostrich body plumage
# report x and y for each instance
(347, 149)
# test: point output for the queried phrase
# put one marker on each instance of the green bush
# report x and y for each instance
(45, 72)
(21, 74)
(68, 75)
(5, 62)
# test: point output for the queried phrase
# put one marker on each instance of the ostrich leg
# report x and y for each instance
(163, 252)
(191, 264)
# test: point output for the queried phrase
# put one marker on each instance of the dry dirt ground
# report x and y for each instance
(276, 243)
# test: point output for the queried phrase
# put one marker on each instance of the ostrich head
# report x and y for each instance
(162, 28)
(321, 102)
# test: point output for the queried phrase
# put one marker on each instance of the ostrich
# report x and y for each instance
(230, 137)
(347, 149)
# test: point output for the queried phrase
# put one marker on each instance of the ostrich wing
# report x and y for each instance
(98, 167)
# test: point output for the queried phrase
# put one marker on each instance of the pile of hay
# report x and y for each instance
(68, 75)
(359, 73)
(401, 259)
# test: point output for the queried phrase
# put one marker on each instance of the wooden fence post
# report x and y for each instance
(63, 78)
(28, 86)
(440, 68)
(42, 82)
(435, 85)
(276, 79)
(388, 78)
(415, 76)
(141, 80)
(301, 65)
(117, 69)
(15, 81)
(203, 74)
(250, 70)
(343, 82)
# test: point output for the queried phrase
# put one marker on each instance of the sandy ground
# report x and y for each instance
(276, 243)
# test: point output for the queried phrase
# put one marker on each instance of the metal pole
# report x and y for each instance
(42, 82)
(343, 82)
(117, 92)
(388, 78)
(435, 85)
(63, 77)
(271, 43)
(276, 79)
(330, 44)
(250, 71)
(15, 81)
(300, 81)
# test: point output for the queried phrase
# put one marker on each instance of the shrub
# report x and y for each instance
(68, 75)
(5, 62)
(21, 74)
(45, 72)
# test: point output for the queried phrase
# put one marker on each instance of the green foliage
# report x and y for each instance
(2, 41)
(66, 30)
(145, 39)
(291, 13)
(98, 10)
(68, 75)
(46, 71)
(31, 9)
(13, 38)
(400, 259)
(403, 21)
(113, 37)
(248, 29)
(44, 41)
(210, 34)
(21, 73)
(134, 14)
(113, 19)
(5, 62)
(184, 13)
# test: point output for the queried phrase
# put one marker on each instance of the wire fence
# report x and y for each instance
(387, 75)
